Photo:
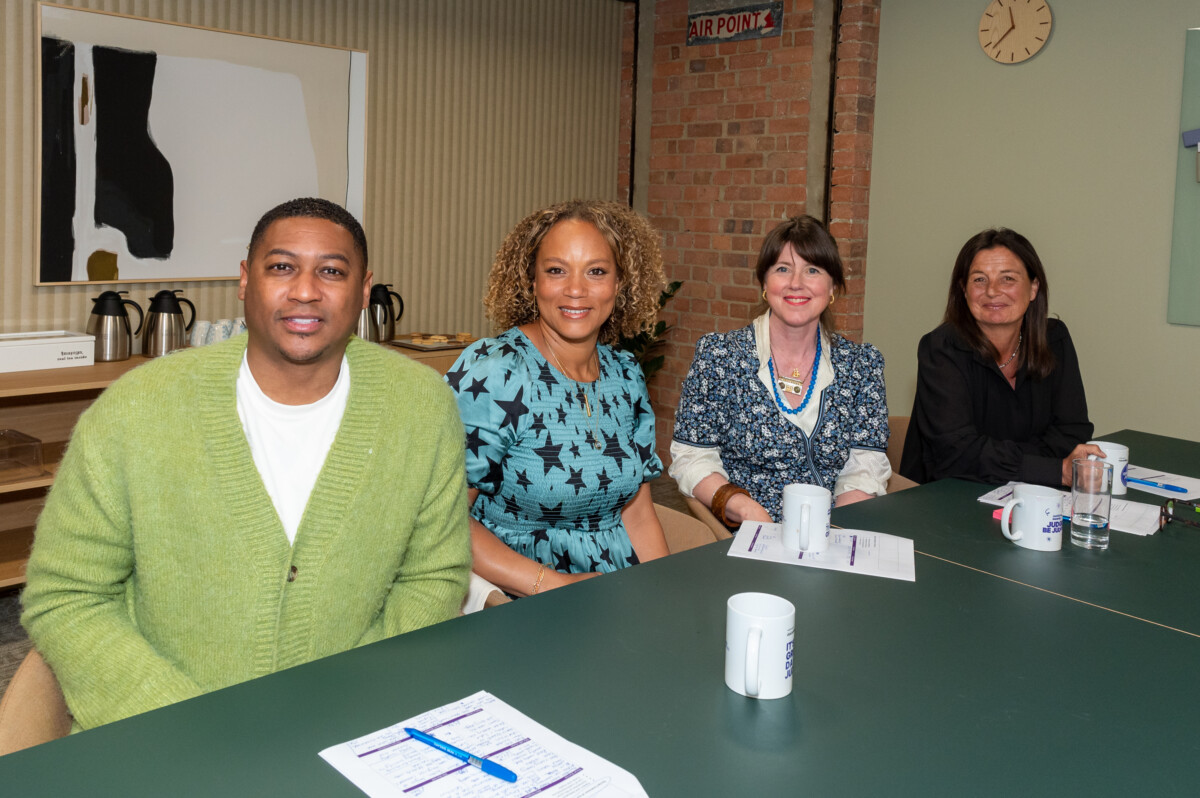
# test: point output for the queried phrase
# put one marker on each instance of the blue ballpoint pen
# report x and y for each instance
(1153, 484)
(486, 765)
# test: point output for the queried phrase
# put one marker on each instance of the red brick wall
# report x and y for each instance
(854, 125)
(728, 161)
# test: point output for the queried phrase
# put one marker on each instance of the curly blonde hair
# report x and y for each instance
(510, 300)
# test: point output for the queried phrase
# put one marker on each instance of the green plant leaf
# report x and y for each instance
(645, 343)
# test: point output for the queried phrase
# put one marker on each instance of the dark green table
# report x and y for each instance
(1155, 578)
(961, 683)
(956, 684)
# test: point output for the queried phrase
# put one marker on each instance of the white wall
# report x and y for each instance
(1076, 149)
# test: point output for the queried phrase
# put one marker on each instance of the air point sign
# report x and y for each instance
(734, 24)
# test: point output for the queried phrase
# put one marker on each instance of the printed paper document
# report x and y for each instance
(389, 763)
(853, 550)
(1191, 485)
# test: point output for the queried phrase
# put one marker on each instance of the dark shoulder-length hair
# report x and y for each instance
(1038, 357)
(812, 242)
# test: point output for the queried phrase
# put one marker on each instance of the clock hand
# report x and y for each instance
(1011, 26)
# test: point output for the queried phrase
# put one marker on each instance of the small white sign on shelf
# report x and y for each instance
(52, 349)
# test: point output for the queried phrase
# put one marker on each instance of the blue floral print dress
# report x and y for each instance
(724, 404)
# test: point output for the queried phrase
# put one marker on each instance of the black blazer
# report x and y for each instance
(968, 422)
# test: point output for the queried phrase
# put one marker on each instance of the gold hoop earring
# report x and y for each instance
(764, 295)
(832, 299)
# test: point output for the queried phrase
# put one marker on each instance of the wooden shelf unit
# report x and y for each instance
(79, 378)
(46, 405)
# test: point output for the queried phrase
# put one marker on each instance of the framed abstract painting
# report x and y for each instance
(162, 144)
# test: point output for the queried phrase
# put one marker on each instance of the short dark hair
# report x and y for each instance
(312, 208)
(1038, 357)
(812, 242)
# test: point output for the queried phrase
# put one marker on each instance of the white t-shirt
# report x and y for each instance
(290, 442)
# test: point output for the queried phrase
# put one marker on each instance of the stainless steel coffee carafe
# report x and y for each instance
(368, 329)
(165, 331)
(381, 310)
(110, 324)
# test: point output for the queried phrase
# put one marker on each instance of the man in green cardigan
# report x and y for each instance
(232, 510)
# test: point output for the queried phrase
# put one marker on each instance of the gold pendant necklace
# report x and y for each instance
(581, 393)
(793, 384)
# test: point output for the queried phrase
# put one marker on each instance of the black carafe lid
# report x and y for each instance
(109, 303)
(165, 302)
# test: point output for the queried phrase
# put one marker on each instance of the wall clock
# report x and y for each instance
(1012, 31)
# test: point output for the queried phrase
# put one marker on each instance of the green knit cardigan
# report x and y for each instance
(160, 569)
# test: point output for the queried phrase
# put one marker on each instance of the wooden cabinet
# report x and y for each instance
(46, 404)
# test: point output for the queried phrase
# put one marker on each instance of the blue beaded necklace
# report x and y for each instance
(812, 380)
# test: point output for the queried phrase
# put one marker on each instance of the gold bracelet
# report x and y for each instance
(538, 584)
(722, 496)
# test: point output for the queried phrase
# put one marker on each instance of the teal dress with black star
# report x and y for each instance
(552, 479)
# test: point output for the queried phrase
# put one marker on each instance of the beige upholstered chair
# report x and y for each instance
(701, 511)
(33, 710)
(898, 428)
(682, 531)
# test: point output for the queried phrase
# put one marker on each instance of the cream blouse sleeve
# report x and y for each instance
(866, 470)
(690, 464)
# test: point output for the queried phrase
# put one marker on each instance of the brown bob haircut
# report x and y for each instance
(1038, 357)
(812, 242)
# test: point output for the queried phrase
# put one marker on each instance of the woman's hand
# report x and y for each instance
(511, 572)
(741, 507)
(555, 579)
(738, 508)
(1080, 452)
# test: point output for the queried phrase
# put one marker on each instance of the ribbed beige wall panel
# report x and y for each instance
(480, 111)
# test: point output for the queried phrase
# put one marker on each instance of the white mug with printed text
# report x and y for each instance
(1118, 455)
(760, 634)
(806, 510)
(1035, 513)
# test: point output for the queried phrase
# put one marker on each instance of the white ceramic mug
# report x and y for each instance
(760, 633)
(1118, 455)
(222, 330)
(200, 333)
(806, 510)
(1035, 514)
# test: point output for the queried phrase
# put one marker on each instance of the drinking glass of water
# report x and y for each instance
(1091, 503)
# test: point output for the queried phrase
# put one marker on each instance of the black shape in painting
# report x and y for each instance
(58, 160)
(134, 183)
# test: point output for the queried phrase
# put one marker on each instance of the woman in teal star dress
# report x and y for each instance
(552, 479)
(559, 429)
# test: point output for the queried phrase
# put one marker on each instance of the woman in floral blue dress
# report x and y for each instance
(560, 433)
(785, 399)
